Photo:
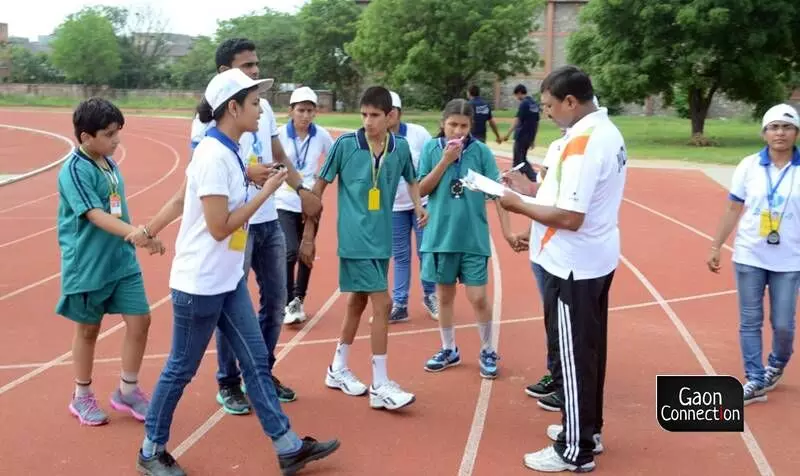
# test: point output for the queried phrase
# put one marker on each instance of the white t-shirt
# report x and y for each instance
(311, 149)
(416, 136)
(589, 178)
(253, 147)
(749, 186)
(203, 265)
(552, 156)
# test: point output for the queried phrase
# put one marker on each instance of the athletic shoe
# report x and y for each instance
(554, 430)
(294, 313)
(345, 381)
(136, 403)
(389, 396)
(311, 450)
(233, 400)
(285, 394)
(771, 377)
(88, 412)
(443, 359)
(488, 363)
(398, 314)
(431, 304)
(161, 464)
(543, 388)
(753, 392)
(548, 461)
(552, 403)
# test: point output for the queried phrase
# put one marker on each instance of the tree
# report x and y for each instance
(326, 26)
(276, 37)
(444, 45)
(85, 48)
(637, 48)
(195, 69)
(30, 67)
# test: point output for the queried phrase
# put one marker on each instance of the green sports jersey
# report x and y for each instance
(365, 233)
(457, 224)
(90, 256)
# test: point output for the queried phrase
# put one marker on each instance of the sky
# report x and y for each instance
(29, 19)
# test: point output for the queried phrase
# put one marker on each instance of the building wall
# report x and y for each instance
(5, 60)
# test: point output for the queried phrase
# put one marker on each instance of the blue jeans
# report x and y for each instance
(538, 273)
(195, 318)
(266, 254)
(402, 224)
(750, 284)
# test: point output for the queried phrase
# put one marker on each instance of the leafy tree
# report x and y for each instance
(697, 48)
(326, 26)
(443, 45)
(85, 48)
(30, 67)
(276, 37)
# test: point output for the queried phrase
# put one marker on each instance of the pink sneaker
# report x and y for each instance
(136, 403)
(87, 410)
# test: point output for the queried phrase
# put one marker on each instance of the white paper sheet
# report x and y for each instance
(481, 183)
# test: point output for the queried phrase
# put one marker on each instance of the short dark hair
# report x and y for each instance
(520, 89)
(228, 49)
(377, 96)
(569, 81)
(95, 114)
(474, 91)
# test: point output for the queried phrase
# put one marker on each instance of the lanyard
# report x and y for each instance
(233, 147)
(300, 163)
(109, 174)
(377, 162)
(771, 191)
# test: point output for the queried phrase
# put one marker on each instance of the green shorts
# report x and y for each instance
(363, 275)
(126, 296)
(453, 268)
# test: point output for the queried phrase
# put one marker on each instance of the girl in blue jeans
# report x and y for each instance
(209, 289)
(765, 193)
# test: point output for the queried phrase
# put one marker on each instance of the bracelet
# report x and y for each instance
(146, 232)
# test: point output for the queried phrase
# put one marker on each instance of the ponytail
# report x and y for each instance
(204, 111)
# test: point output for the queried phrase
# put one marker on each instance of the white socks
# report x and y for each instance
(379, 376)
(340, 357)
(485, 331)
(82, 389)
(128, 383)
(448, 338)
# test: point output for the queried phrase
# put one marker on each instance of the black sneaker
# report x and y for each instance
(285, 394)
(544, 388)
(162, 464)
(311, 450)
(398, 314)
(552, 403)
(233, 400)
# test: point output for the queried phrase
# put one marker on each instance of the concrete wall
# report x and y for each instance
(278, 100)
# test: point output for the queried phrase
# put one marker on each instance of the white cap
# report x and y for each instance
(302, 95)
(781, 113)
(225, 85)
(396, 100)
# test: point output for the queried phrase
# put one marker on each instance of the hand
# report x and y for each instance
(510, 201)
(259, 173)
(310, 204)
(307, 252)
(499, 140)
(452, 152)
(517, 181)
(138, 237)
(713, 260)
(422, 217)
(276, 178)
(518, 241)
(156, 247)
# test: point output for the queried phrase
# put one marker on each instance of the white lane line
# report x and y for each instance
(17, 178)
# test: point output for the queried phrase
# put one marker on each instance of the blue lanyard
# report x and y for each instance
(300, 163)
(770, 189)
(233, 147)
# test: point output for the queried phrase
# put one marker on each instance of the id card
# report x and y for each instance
(238, 241)
(374, 202)
(253, 159)
(115, 201)
(768, 225)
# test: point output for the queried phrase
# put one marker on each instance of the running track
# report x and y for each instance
(670, 316)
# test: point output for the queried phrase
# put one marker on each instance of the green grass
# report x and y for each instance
(664, 138)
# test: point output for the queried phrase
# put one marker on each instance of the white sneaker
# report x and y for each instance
(389, 396)
(294, 312)
(548, 461)
(345, 381)
(554, 430)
